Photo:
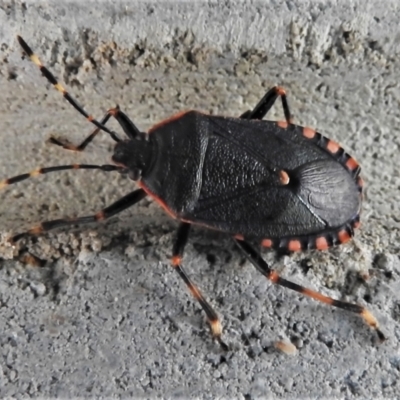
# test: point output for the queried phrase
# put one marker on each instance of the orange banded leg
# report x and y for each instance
(115, 208)
(256, 259)
(46, 170)
(176, 261)
(50, 77)
(127, 125)
(266, 103)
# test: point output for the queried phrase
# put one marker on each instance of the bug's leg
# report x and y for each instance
(127, 125)
(255, 258)
(176, 261)
(81, 147)
(50, 77)
(266, 103)
(120, 205)
(40, 171)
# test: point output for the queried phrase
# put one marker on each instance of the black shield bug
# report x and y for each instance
(283, 185)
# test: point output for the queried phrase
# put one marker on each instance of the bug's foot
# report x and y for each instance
(63, 143)
(223, 345)
(373, 323)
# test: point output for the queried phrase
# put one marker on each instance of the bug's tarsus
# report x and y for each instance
(120, 205)
(266, 103)
(176, 261)
(51, 78)
(256, 259)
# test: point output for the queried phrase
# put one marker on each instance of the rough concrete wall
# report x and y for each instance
(107, 315)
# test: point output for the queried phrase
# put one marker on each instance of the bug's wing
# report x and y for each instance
(275, 148)
(258, 211)
(242, 192)
(328, 191)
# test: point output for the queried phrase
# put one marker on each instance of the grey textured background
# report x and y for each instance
(107, 315)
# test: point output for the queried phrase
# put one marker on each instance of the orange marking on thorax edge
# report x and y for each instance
(166, 121)
(157, 199)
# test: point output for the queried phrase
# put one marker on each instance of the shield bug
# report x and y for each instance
(284, 186)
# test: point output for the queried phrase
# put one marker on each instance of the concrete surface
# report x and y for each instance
(106, 316)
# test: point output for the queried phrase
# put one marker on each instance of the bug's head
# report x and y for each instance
(134, 155)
